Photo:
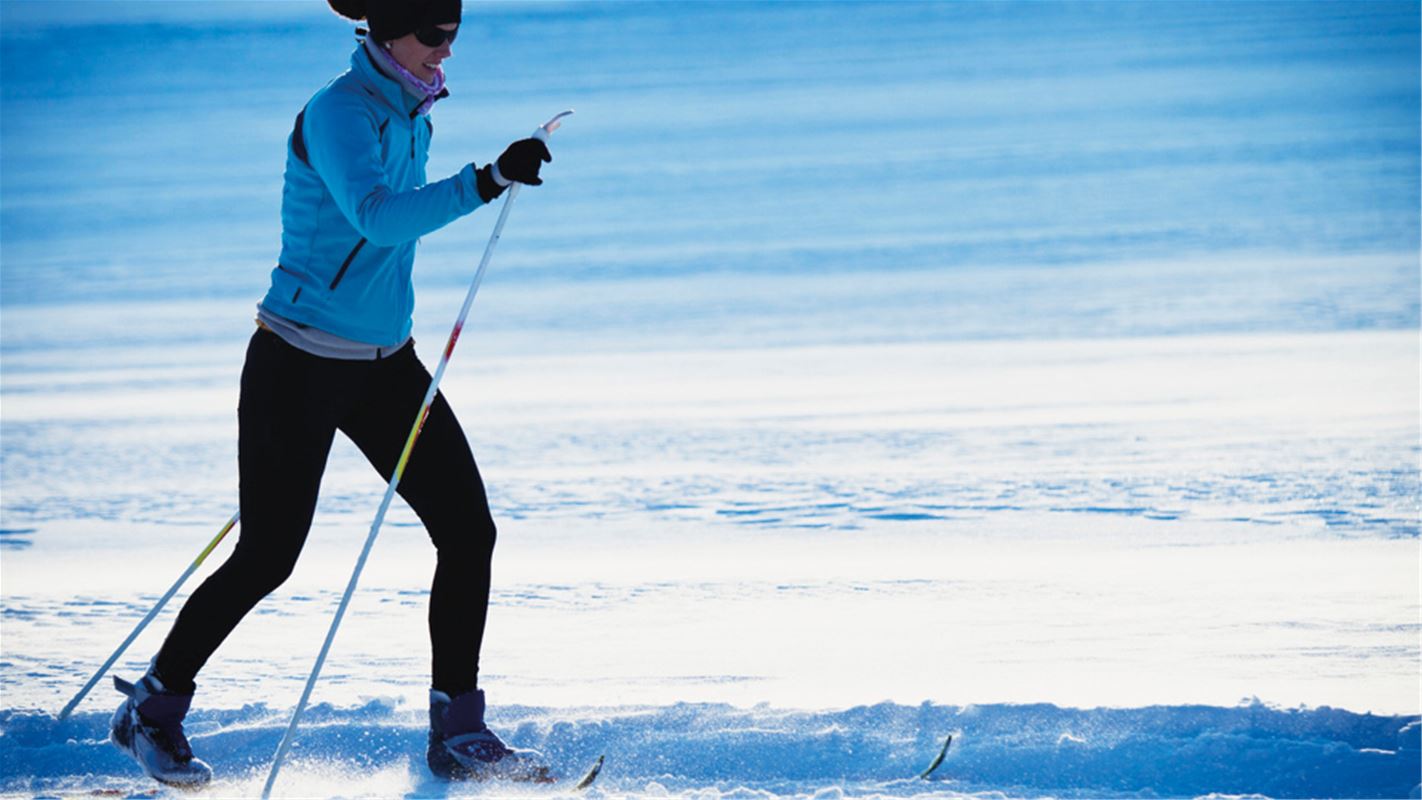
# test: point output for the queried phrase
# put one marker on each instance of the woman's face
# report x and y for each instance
(420, 59)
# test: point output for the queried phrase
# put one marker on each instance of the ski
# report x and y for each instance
(937, 762)
(590, 776)
(543, 776)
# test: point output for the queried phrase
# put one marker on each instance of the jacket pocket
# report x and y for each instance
(345, 265)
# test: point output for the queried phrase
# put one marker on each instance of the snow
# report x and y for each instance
(719, 751)
(1119, 550)
(1046, 375)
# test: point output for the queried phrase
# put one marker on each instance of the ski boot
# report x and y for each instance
(149, 727)
(463, 748)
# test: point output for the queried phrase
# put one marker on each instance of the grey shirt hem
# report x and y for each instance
(320, 343)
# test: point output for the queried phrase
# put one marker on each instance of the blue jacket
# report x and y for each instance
(353, 205)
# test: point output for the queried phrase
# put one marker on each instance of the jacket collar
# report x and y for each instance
(383, 86)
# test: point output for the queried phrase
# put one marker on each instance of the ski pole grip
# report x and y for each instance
(547, 128)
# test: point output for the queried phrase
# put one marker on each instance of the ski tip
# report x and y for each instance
(938, 761)
(587, 780)
(124, 687)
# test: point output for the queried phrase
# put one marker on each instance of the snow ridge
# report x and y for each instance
(715, 750)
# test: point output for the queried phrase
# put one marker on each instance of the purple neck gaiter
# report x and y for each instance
(427, 91)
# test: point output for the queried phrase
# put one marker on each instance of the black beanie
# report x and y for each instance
(391, 19)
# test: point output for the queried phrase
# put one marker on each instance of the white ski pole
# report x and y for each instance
(286, 739)
(162, 601)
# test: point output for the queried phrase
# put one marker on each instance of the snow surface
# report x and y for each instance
(1042, 374)
(719, 751)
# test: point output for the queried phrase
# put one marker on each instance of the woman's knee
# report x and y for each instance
(469, 540)
(260, 572)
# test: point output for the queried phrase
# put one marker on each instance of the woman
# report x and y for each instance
(333, 352)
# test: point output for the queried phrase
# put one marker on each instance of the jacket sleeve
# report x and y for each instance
(343, 143)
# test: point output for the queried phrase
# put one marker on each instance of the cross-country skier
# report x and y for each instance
(332, 352)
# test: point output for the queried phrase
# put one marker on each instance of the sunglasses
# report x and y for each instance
(434, 36)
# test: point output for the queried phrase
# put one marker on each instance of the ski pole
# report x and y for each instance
(286, 739)
(162, 601)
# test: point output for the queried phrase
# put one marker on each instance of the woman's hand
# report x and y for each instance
(519, 163)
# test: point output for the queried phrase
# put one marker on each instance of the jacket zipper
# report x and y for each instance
(341, 273)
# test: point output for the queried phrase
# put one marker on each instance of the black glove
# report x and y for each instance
(519, 164)
(521, 161)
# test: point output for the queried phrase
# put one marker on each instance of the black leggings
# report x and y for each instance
(292, 404)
